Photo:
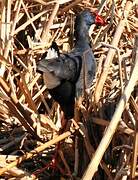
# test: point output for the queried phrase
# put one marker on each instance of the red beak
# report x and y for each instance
(99, 20)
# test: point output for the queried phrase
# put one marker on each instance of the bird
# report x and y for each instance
(64, 73)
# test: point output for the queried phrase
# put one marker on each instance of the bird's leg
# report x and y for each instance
(63, 120)
(78, 103)
(58, 145)
(65, 124)
(80, 107)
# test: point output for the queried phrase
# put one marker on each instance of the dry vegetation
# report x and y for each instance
(30, 144)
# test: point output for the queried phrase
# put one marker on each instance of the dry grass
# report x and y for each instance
(30, 120)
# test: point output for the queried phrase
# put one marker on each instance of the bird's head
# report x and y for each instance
(89, 18)
(83, 22)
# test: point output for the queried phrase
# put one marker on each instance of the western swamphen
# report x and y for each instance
(66, 74)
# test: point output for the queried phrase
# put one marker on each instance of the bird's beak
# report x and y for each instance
(99, 20)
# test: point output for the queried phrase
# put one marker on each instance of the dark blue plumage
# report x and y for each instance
(64, 73)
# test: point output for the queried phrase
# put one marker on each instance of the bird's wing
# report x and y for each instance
(66, 66)
(89, 66)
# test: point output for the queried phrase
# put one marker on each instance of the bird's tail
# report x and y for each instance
(52, 52)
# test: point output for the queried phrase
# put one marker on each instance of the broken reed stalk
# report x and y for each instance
(66, 8)
(23, 87)
(29, 17)
(76, 156)
(8, 16)
(3, 30)
(15, 106)
(35, 152)
(3, 23)
(92, 168)
(135, 143)
(44, 35)
(111, 52)
(8, 45)
(31, 20)
(123, 129)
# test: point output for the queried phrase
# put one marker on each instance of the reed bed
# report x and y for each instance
(104, 144)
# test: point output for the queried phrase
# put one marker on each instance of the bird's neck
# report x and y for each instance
(82, 37)
(82, 42)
